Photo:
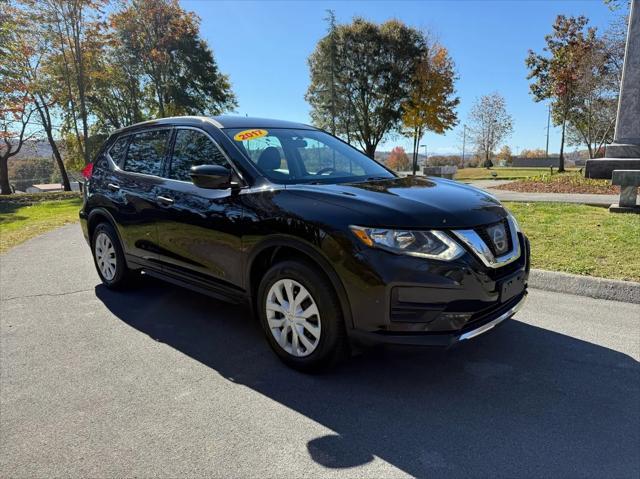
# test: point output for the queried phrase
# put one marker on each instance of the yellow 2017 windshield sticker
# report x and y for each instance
(247, 135)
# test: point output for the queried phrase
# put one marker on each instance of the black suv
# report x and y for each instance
(327, 245)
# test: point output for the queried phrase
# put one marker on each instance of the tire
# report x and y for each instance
(108, 257)
(321, 340)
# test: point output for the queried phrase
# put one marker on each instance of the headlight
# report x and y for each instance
(425, 244)
(514, 221)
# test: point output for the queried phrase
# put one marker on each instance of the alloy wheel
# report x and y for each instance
(293, 317)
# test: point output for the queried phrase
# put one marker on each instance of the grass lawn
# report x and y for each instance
(20, 222)
(581, 239)
(468, 174)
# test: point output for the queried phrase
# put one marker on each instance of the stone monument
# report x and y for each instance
(624, 152)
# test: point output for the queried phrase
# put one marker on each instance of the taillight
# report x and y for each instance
(87, 171)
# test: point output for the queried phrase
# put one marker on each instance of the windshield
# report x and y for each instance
(304, 156)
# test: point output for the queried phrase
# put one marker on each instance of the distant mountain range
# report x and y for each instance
(36, 149)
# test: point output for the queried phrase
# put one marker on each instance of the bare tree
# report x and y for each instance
(490, 124)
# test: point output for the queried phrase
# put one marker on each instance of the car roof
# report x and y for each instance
(220, 121)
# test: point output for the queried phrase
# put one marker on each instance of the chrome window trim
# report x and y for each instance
(133, 133)
(482, 250)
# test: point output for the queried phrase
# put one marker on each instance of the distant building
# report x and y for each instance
(51, 187)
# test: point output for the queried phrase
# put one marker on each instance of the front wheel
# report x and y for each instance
(301, 316)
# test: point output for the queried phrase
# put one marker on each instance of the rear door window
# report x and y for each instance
(193, 148)
(146, 152)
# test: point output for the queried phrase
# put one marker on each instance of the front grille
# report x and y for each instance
(484, 236)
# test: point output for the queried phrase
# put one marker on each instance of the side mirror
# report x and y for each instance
(211, 176)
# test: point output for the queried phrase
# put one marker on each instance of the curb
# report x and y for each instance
(599, 288)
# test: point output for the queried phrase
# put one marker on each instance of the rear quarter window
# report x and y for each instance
(118, 150)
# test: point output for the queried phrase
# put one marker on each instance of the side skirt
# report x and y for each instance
(209, 288)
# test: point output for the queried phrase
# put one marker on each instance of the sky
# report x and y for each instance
(263, 47)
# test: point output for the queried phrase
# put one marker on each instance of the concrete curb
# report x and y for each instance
(600, 288)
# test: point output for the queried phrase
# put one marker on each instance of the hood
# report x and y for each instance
(410, 202)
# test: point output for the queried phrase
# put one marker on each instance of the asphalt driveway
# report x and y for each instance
(164, 382)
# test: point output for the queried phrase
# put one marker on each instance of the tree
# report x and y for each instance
(176, 64)
(398, 159)
(505, 155)
(35, 47)
(361, 73)
(537, 153)
(592, 115)
(490, 124)
(27, 171)
(75, 32)
(561, 70)
(431, 104)
(446, 160)
(118, 97)
(16, 107)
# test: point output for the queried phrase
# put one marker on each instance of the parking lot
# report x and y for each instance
(162, 381)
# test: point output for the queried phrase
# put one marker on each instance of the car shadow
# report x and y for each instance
(520, 401)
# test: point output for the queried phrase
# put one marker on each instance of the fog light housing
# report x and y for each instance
(456, 320)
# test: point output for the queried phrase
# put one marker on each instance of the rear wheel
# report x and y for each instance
(301, 316)
(109, 258)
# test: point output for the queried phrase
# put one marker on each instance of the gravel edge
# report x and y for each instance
(600, 288)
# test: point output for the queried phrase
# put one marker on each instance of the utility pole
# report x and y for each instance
(548, 124)
(331, 18)
(464, 142)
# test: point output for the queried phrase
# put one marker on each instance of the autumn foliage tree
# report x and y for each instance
(175, 64)
(74, 30)
(398, 159)
(559, 71)
(361, 73)
(16, 107)
(431, 104)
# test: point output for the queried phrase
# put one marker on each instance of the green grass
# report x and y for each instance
(581, 239)
(468, 174)
(20, 222)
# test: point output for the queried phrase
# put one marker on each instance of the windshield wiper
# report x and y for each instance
(374, 178)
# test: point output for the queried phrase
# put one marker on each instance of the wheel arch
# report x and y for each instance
(278, 248)
(100, 215)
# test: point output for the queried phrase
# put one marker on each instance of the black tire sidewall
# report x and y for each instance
(332, 337)
(121, 267)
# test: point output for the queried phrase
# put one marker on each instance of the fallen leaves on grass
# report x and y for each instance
(562, 183)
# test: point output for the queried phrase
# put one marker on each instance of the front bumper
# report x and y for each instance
(444, 339)
(403, 300)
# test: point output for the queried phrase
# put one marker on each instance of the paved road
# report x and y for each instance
(164, 382)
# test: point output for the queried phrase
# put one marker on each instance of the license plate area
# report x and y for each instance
(511, 287)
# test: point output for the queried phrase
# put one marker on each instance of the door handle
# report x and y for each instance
(113, 187)
(164, 200)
